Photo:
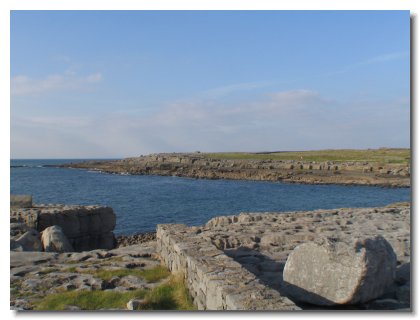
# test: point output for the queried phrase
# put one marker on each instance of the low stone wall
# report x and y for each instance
(215, 281)
(86, 227)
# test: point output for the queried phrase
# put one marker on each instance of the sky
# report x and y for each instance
(112, 84)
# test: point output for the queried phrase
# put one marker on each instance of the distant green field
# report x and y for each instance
(370, 155)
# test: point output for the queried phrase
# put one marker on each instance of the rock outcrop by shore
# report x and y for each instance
(200, 166)
(85, 227)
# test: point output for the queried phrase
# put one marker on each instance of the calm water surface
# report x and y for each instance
(141, 202)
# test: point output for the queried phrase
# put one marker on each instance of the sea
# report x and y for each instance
(141, 202)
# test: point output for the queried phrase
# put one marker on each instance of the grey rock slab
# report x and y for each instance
(18, 259)
(329, 273)
(132, 282)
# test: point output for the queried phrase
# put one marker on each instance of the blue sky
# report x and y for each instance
(124, 83)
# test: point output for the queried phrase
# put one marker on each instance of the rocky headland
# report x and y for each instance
(216, 166)
(251, 261)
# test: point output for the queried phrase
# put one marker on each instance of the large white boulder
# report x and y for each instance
(329, 272)
(54, 240)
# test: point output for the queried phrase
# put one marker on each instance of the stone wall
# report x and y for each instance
(215, 281)
(86, 227)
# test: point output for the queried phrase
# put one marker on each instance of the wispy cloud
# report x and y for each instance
(237, 87)
(23, 85)
(286, 120)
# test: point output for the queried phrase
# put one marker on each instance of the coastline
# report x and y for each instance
(209, 166)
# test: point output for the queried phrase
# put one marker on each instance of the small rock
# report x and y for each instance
(135, 304)
(72, 308)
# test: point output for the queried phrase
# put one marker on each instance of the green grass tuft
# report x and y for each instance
(172, 295)
(89, 300)
(150, 275)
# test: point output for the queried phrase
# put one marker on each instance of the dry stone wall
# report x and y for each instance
(215, 281)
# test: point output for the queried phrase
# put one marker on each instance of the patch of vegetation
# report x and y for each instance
(155, 274)
(89, 300)
(382, 155)
(150, 275)
(172, 295)
(71, 269)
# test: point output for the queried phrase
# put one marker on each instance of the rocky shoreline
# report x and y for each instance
(124, 241)
(225, 264)
(202, 166)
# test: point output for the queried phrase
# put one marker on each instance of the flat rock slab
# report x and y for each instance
(327, 272)
(18, 259)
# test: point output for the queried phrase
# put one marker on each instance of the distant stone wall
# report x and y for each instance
(86, 227)
(21, 201)
(215, 281)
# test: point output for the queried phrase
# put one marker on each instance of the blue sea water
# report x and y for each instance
(141, 202)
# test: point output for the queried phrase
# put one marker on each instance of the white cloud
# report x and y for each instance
(289, 120)
(22, 85)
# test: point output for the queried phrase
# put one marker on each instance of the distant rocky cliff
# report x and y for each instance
(197, 165)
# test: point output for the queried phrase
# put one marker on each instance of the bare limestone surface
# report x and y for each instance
(237, 262)
(326, 272)
(86, 227)
(196, 165)
(35, 275)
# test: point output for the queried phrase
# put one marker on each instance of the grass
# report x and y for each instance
(150, 275)
(382, 155)
(172, 295)
(89, 300)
